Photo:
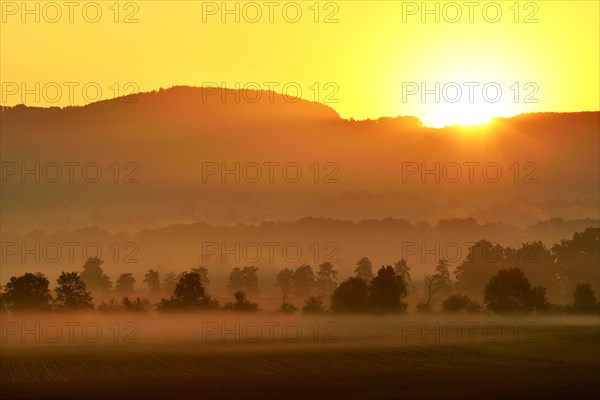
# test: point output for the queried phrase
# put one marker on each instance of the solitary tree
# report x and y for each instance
(124, 285)
(431, 290)
(94, 277)
(28, 292)
(71, 293)
(387, 291)
(352, 295)
(584, 299)
(364, 269)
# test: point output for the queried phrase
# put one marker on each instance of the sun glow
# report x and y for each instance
(464, 113)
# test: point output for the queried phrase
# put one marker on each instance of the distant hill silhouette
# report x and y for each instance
(169, 134)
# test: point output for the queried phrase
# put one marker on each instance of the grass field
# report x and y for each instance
(556, 361)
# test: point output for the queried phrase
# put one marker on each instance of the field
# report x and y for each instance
(361, 361)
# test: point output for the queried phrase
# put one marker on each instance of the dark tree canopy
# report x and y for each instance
(188, 295)
(352, 295)
(577, 259)
(460, 303)
(28, 292)
(584, 299)
(71, 293)
(510, 291)
(387, 291)
(189, 288)
(303, 281)
(558, 269)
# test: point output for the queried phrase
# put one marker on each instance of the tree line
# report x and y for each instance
(507, 288)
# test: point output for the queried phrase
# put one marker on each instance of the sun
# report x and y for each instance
(464, 113)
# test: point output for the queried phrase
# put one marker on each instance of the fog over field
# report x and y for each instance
(211, 331)
(272, 353)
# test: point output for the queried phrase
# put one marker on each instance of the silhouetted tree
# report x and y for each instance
(203, 272)
(313, 305)
(152, 279)
(403, 270)
(241, 303)
(188, 295)
(304, 281)
(536, 299)
(28, 292)
(387, 290)
(125, 285)
(3, 304)
(577, 259)
(189, 288)
(484, 259)
(442, 277)
(72, 293)
(364, 269)
(538, 263)
(584, 299)
(431, 290)
(437, 284)
(510, 291)
(460, 303)
(244, 279)
(326, 280)
(169, 283)
(352, 295)
(93, 276)
(284, 281)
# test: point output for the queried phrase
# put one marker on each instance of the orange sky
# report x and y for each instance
(365, 59)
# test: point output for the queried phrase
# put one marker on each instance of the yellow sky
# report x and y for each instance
(369, 59)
